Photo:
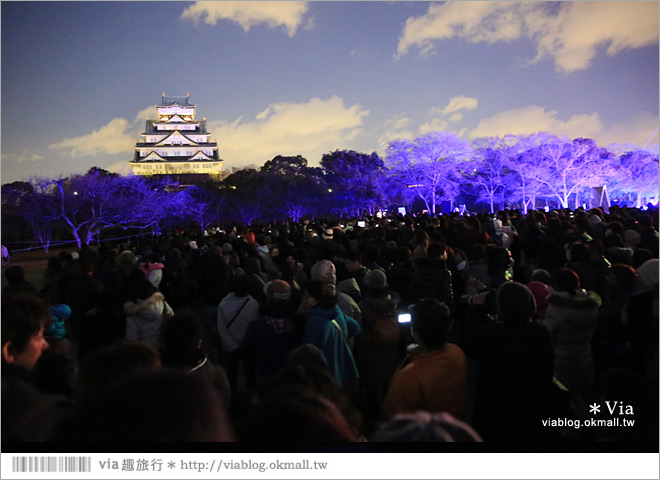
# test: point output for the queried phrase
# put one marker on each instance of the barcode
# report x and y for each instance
(51, 464)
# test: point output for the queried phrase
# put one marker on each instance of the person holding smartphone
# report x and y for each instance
(435, 379)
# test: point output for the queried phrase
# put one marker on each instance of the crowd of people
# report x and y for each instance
(411, 328)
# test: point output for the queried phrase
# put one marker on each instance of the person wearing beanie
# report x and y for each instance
(541, 294)
(515, 303)
(572, 317)
(325, 271)
(512, 358)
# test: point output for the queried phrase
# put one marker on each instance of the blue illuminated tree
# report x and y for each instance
(571, 167)
(205, 204)
(637, 173)
(490, 175)
(521, 155)
(430, 166)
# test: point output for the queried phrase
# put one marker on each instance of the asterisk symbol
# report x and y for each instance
(594, 408)
(171, 465)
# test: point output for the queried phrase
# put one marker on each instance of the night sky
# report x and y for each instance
(80, 78)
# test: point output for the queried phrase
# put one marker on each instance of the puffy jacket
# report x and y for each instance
(144, 318)
(572, 322)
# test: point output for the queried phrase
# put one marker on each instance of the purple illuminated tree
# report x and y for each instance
(430, 166)
(638, 174)
(521, 155)
(205, 204)
(354, 180)
(571, 167)
(489, 173)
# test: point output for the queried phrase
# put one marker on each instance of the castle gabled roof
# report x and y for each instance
(201, 156)
(176, 134)
(153, 156)
(175, 119)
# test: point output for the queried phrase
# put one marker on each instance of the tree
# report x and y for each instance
(354, 180)
(296, 189)
(204, 205)
(570, 167)
(26, 206)
(637, 173)
(490, 174)
(245, 194)
(430, 165)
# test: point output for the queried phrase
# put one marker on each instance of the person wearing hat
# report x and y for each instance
(378, 352)
(274, 334)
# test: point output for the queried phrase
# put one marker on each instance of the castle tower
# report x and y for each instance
(176, 143)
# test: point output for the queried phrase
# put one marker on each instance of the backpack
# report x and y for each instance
(384, 331)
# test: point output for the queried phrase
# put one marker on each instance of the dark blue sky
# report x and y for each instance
(80, 78)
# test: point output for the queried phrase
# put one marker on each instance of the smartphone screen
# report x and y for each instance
(404, 318)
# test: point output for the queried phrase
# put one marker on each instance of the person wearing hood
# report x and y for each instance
(329, 329)
(572, 316)
(325, 271)
(145, 313)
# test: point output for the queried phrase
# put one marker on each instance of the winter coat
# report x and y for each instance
(572, 321)
(321, 332)
(434, 381)
(376, 363)
(238, 313)
(144, 318)
(271, 338)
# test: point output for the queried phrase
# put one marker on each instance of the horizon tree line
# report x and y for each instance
(432, 171)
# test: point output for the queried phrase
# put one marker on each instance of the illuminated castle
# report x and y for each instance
(176, 143)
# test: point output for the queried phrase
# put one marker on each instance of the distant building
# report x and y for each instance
(176, 143)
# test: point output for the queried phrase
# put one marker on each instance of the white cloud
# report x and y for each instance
(636, 129)
(111, 138)
(456, 117)
(474, 21)
(532, 119)
(570, 35)
(309, 129)
(460, 102)
(248, 14)
(394, 129)
(118, 136)
(24, 156)
(435, 125)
